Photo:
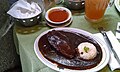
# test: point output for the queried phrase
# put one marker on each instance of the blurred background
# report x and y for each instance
(9, 59)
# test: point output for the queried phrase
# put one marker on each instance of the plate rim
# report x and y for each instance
(64, 25)
(117, 5)
(54, 66)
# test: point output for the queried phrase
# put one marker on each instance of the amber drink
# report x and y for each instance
(95, 9)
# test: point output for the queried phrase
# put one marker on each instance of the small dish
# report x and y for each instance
(58, 15)
(61, 25)
(75, 4)
(25, 18)
(117, 4)
(102, 64)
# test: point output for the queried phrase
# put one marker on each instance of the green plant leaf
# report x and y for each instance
(86, 49)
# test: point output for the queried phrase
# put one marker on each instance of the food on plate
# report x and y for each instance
(61, 43)
(61, 47)
(87, 51)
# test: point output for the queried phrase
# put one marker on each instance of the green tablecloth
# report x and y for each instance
(29, 60)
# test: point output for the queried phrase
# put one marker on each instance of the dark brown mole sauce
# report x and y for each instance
(74, 63)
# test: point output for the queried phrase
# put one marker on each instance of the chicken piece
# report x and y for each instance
(61, 43)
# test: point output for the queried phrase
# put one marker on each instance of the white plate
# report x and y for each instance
(117, 4)
(102, 64)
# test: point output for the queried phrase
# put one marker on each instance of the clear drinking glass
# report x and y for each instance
(49, 4)
(40, 3)
(95, 9)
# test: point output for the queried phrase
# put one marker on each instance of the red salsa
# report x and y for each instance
(58, 15)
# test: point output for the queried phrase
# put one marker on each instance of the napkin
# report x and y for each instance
(113, 64)
(23, 9)
(118, 33)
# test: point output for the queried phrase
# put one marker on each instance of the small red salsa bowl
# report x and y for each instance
(58, 15)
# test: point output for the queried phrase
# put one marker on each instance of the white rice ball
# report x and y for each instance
(87, 50)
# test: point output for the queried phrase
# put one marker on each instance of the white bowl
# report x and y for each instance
(61, 8)
(102, 64)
